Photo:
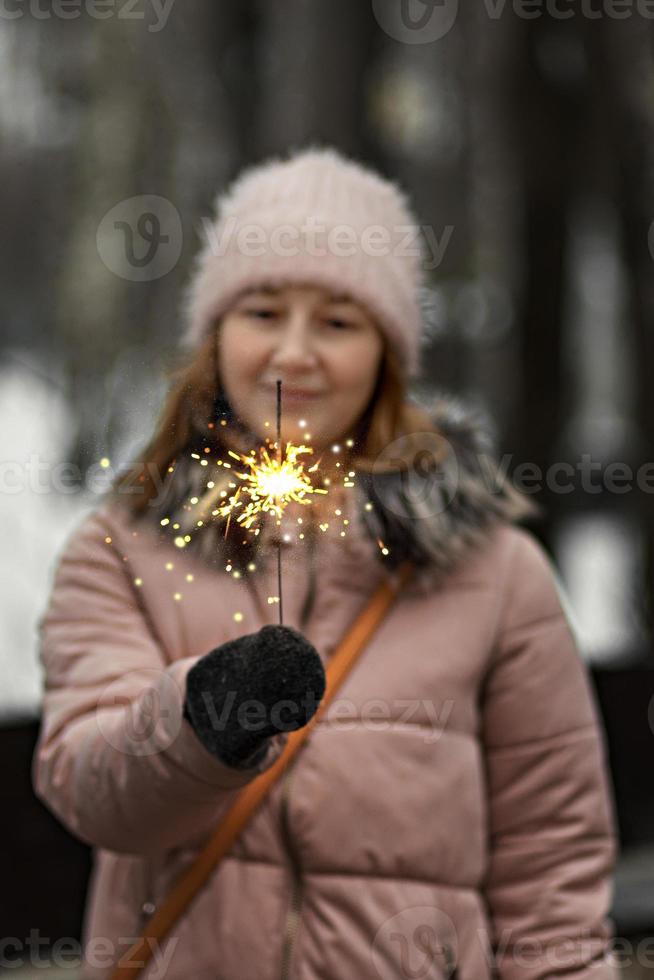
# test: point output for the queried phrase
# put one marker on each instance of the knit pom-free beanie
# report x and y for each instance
(320, 219)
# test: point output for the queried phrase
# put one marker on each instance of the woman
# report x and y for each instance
(451, 817)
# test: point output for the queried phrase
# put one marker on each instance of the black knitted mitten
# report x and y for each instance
(251, 688)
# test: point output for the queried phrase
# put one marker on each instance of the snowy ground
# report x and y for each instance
(34, 430)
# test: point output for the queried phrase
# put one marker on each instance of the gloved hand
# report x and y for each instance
(251, 688)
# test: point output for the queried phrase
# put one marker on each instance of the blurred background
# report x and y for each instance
(524, 134)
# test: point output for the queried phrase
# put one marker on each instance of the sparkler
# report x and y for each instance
(279, 543)
(269, 485)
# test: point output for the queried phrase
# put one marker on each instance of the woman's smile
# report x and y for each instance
(325, 349)
(293, 394)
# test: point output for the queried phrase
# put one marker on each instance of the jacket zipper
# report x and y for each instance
(297, 885)
(450, 966)
(148, 905)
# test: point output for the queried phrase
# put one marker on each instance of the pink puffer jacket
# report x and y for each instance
(450, 817)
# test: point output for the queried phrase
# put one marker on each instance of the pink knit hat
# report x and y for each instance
(320, 219)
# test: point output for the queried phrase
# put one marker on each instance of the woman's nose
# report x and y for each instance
(294, 344)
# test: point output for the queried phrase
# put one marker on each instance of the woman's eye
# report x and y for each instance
(338, 323)
(261, 313)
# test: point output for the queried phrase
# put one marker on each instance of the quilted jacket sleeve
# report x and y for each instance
(551, 819)
(116, 761)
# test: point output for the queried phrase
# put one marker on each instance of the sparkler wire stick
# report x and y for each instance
(279, 542)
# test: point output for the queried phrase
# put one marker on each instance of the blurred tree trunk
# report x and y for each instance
(549, 110)
(41, 102)
(417, 105)
(313, 60)
(622, 56)
(495, 203)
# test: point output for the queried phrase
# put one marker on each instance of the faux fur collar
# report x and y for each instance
(433, 524)
(470, 495)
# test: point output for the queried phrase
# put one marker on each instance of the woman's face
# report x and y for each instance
(326, 350)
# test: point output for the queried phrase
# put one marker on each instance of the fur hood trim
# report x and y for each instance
(432, 520)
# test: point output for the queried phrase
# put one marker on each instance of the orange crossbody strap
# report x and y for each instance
(251, 796)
